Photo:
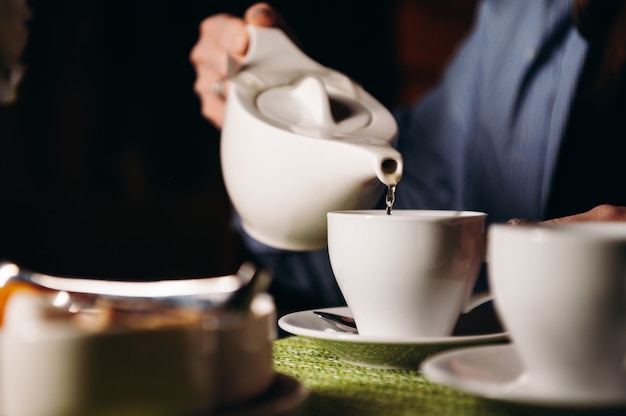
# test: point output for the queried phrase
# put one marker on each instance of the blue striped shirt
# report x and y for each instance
(488, 137)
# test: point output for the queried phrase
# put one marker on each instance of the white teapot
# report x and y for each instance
(300, 140)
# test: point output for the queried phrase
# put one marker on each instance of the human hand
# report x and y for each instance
(603, 212)
(221, 36)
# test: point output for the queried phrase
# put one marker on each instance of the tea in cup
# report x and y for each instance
(409, 274)
(560, 291)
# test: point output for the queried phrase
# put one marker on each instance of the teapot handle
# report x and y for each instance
(271, 47)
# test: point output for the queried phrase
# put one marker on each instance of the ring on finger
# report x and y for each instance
(218, 88)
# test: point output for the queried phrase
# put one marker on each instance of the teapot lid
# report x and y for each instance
(307, 105)
(287, 89)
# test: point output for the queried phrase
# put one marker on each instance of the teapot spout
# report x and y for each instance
(388, 162)
(389, 170)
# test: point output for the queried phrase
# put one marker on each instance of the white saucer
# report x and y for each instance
(496, 372)
(395, 353)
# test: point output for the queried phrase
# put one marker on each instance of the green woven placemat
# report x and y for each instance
(339, 388)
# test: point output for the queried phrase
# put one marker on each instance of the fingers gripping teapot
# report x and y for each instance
(299, 140)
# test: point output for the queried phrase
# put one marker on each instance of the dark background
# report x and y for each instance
(107, 167)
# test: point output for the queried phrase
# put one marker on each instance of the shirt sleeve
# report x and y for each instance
(301, 279)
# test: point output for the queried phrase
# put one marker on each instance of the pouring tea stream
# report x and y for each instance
(299, 140)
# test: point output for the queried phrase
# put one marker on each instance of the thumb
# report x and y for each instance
(261, 14)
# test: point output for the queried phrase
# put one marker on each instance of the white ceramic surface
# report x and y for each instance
(77, 372)
(561, 293)
(220, 362)
(407, 274)
(497, 372)
(299, 140)
(393, 353)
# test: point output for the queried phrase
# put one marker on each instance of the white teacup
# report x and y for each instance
(561, 293)
(409, 274)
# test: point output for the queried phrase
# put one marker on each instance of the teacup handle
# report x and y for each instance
(476, 300)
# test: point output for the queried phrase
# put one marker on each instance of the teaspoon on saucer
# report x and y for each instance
(344, 323)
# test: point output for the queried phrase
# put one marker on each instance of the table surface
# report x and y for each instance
(339, 388)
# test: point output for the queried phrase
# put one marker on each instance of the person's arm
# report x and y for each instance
(301, 279)
(223, 37)
(305, 278)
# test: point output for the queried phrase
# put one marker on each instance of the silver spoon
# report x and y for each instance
(344, 323)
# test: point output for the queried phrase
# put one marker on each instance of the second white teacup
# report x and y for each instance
(561, 294)
(409, 274)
